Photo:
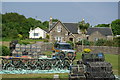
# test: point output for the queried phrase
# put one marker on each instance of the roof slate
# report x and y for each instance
(72, 27)
(103, 30)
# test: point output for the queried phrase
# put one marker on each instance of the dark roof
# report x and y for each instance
(46, 30)
(103, 30)
(72, 27)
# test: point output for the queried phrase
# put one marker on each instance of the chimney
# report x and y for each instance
(50, 23)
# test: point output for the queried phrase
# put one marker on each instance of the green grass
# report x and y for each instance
(113, 59)
(26, 40)
(32, 40)
(61, 75)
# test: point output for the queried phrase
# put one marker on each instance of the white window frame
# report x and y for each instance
(35, 33)
(59, 38)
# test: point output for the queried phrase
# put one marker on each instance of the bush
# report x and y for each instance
(85, 42)
(20, 36)
(100, 42)
(116, 42)
(46, 40)
(87, 50)
(70, 43)
(5, 51)
(40, 38)
(47, 36)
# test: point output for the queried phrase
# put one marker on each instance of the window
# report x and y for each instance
(58, 39)
(79, 39)
(35, 34)
(58, 28)
(96, 39)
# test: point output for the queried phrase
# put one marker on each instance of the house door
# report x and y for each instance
(71, 39)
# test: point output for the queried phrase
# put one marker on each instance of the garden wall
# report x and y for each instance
(102, 49)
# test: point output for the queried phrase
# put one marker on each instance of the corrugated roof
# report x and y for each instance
(103, 30)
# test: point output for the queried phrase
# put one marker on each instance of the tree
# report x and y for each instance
(83, 26)
(115, 25)
(14, 24)
(102, 25)
(54, 20)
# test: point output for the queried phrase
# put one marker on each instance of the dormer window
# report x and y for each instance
(59, 28)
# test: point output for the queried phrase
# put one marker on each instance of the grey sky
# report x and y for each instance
(93, 12)
(60, 0)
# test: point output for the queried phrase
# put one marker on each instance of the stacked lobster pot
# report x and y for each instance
(29, 49)
(59, 61)
(97, 68)
(77, 72)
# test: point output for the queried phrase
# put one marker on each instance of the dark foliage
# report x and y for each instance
(5, 51)
(14, 24)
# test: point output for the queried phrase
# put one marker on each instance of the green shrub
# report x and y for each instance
(47, 36)
(20, 36)
(70, 43)
(85, 42)
(100, 42)
(5, 51)
(40, 38)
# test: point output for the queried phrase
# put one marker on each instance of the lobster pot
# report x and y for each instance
(38, 48)
(99, 70)
(28, 48)
(33, 48)
(98, 57)
(100, 76)
(99, 67)
(70, 55)
(60, 55)
(77, 72)
(34, 55)
(23, 47)
(17, 48)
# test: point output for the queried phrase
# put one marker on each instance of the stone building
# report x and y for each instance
(63, 32)
(93, 34)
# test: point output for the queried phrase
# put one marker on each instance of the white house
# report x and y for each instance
(37, 33)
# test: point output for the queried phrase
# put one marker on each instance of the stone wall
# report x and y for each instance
(102, 49)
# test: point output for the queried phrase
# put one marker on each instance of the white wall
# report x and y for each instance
(41, 33)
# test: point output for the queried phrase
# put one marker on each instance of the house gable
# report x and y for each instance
(56, 24)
